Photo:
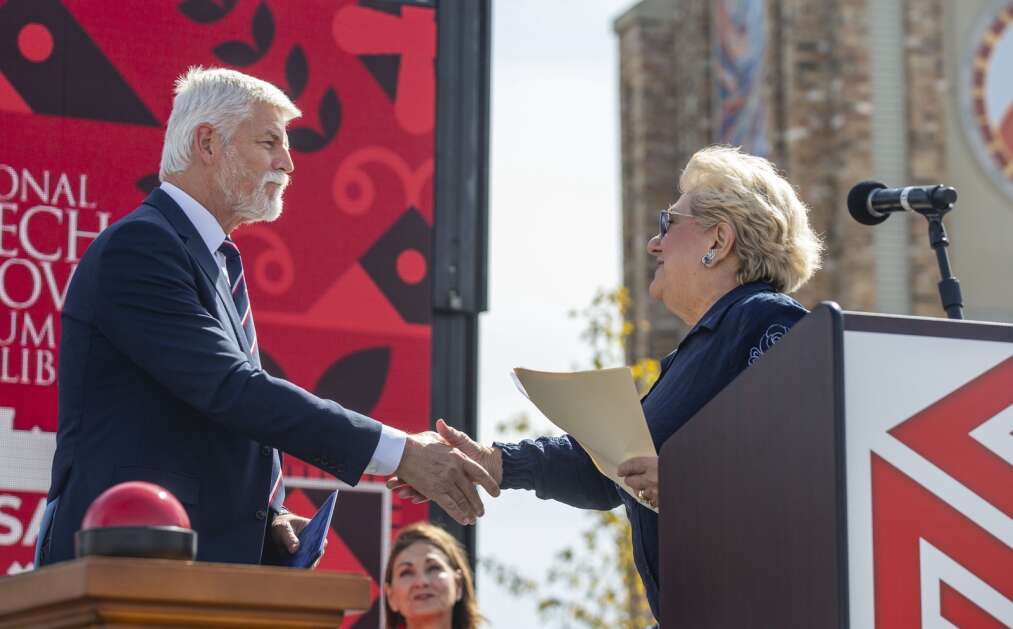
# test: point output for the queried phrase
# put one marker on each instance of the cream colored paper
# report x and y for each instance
(600, 409)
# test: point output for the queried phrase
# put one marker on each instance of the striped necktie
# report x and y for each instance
(237, 280)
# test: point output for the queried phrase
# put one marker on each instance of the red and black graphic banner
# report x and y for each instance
(340, 284)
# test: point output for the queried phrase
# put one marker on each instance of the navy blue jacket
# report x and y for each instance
(734, 333)
(157, 383)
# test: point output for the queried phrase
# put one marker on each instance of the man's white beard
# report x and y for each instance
(256, 205)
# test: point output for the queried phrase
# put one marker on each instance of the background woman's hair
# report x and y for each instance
(773, 239)
(466, 614)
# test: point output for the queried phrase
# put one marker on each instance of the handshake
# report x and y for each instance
(446, 466)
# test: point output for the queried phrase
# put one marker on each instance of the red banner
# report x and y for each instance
(340, 284)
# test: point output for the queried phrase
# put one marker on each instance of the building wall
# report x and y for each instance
(822, 61)
(649, 143)
(927, 89)
(821, 129)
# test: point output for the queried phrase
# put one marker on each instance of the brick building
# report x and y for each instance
(833, 92)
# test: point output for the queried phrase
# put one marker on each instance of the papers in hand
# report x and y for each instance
(313, 537)
(600, 409)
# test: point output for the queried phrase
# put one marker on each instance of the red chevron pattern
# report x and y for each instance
(930, 480)
(905, 515)
(942, 434)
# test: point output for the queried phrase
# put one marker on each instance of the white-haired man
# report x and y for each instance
(160, 376)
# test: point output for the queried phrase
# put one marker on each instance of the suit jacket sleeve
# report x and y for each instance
(149, 308)
(557, 468)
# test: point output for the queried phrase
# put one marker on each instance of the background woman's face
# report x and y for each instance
(423, 584)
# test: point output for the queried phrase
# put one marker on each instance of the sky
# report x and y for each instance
(554, 239)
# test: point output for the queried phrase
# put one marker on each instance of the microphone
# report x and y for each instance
(871, 202)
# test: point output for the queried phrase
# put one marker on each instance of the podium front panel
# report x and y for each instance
(859, 475)
(751, 531)
(929, 416)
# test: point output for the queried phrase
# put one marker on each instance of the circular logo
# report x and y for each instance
(988, 94)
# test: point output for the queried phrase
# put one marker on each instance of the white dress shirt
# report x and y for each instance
(390, 449)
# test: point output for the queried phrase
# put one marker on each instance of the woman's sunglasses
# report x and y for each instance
(665, 220)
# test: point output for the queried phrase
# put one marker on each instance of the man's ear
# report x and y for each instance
(205, 143)
(724, 241)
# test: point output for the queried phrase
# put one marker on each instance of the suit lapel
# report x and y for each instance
(195, 245)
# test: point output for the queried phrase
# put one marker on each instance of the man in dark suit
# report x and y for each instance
(160, 377)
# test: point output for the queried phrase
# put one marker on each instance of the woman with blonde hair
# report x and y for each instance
(428, 583)
(727, 253)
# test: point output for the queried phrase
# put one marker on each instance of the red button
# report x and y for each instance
(135, 503)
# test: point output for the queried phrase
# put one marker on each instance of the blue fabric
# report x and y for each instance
(158, 382)
(44, 530)
(733, 334)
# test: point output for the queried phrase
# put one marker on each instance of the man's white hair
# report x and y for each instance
(219, 97)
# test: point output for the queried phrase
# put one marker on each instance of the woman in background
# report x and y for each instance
(428, 583)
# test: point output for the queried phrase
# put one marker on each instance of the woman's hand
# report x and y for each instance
(641, 474)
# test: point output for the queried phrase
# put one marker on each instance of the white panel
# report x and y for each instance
(886, 376)
(26, 456)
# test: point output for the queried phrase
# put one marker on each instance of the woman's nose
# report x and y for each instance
(420, 583)
(654, 244)
(420, 579)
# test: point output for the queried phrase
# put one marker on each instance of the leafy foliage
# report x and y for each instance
(206, 11)
(601, 586)
(240, 53)
(307, 139)
(297, 71)
(606, 330)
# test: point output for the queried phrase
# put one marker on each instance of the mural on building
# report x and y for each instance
(740, 44)
(987, 95)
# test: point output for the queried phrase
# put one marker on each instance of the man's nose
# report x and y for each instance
(284, 161)
(654, 244)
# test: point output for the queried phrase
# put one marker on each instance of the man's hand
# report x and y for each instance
(285, 529)
(445, 474)
(487, 456)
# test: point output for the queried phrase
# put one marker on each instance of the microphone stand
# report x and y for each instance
(949, 286)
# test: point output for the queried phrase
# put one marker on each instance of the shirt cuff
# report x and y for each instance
(388, 453)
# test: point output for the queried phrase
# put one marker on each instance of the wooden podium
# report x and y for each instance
(859, 475)
(114, 592)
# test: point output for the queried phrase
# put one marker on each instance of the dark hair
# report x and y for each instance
(465, 614)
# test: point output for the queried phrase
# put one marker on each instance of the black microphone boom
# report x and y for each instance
(871, 202)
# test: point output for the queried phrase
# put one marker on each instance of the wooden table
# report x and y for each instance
(121, 593)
